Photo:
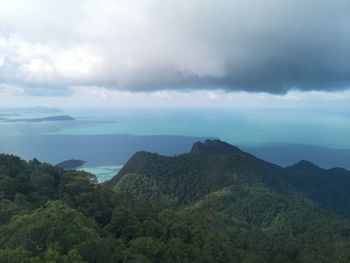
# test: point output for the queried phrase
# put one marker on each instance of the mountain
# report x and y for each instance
(214, 165)
(328, 188)
(221, 178)
(214, 147)
(215, 204)
(188, 177)
(287, 154)
(70, 164)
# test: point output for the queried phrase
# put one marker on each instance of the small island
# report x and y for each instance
(70, 164)
(43, 119)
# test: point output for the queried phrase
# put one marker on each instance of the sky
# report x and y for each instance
(171, 53)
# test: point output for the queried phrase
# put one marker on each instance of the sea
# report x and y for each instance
(107, 137)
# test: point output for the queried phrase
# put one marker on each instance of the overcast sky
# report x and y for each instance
(173, 52)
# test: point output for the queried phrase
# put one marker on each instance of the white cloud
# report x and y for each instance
(36, 63)
(11, 90)
(89, 96)
(212, 95)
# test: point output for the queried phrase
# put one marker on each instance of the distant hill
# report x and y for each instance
(43, 119)
(214, 165)
(287, 154)
(214, 147)
(70, 164)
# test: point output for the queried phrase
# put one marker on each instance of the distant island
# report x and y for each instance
(43, 119)
(30, 110)
(70, 164)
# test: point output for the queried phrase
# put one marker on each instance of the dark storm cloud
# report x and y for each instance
(256, 46)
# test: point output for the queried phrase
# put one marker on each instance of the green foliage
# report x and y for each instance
(150, 248)
(7, 210)
(124, 224)
(17, 255)
(54, 229)
(212, 206)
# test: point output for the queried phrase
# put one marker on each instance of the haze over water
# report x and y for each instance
(237, 126)
(99, 135)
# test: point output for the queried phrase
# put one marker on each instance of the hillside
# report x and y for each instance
(213, 165)
(214, 204)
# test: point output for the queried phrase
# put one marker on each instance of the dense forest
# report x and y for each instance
(214, 204)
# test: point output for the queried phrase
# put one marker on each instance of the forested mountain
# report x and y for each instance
(214, 204)
(213, 165)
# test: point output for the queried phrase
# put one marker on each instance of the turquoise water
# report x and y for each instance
(240, 127)
(104, 172)
(330, 128)
(98, 136)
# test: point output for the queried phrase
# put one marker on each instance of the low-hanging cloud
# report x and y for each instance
(145, 45)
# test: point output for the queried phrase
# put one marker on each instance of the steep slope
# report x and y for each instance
(213, 165)
(184, 179)
(329, 188)
(229, 207)
(291, 209)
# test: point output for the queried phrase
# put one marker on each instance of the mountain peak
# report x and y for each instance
(214, 147)
(303, 165)
(70, 164)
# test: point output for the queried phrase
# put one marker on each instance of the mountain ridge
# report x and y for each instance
(214, 147)
(201, 208)
(214, 165)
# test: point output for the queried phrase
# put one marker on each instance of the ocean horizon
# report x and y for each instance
(106, 138)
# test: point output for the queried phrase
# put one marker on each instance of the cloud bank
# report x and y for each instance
(147, 45)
